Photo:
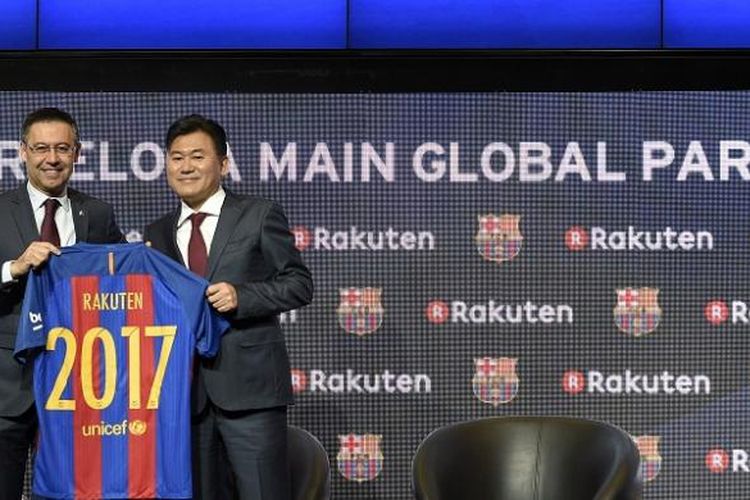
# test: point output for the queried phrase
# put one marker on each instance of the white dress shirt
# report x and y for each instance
(212, 208)
(63, 219)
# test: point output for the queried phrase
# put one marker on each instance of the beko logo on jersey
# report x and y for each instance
(352, 382)
(438, 311)
(355, 239)
(578, 238)
(719, 460)
(36, 320)
(628, 382)
(134, 427)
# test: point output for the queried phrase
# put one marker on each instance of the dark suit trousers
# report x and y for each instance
(16, 436)
(255, 444)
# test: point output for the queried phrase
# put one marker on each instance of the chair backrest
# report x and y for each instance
(527, 458)
(309, 466)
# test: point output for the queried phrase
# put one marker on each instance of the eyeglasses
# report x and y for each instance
(44, 149)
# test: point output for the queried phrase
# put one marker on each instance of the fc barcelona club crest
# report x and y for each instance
(648, 446)
(495, 380)
(360, 311)
(499, 237)
(359, 458)
(637, 312)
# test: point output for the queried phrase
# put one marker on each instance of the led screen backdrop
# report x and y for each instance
(477, 255)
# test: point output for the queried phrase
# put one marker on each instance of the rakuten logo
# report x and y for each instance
(627, 382)
(598, 238)
(719, 461)
(352, 382)
(438, 312)
(353, 238)
(718, 311)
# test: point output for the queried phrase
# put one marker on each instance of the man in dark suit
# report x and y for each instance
(243, 246)
(36, 219)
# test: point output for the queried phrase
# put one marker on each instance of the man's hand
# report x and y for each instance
(36, 254)
(222, 296)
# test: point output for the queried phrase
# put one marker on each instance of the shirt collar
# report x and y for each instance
(212, 207)
(38, 198)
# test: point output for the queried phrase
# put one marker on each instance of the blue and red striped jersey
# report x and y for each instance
(112, 330)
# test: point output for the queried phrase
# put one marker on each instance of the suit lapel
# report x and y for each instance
(172, 248)
(23, 214)
(80, 215)
(230, 214)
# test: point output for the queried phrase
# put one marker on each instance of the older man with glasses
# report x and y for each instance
(36, 219)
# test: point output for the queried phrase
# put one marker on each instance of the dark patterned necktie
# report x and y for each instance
(197, 253)
(49, 228)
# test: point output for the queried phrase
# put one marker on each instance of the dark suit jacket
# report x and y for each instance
(94, 222)
(253, 250)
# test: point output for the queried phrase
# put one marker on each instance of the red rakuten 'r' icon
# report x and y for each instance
(302, 237)
(437, 312)
(299, 381)
(717, 460)
(716, 312)
(573, 382)
(576, 238)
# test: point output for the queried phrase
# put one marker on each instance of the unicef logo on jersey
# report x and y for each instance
(137, 427)
(133, 427)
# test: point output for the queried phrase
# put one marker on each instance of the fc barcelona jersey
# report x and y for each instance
(112, 330)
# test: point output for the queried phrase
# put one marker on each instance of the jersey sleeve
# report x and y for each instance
(206, 324)
(32, 330)
(209, 330)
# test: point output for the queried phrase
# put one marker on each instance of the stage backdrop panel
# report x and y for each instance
(518, 24)
(482, 255)
(701, 24)
(192, 24)
(18, 24)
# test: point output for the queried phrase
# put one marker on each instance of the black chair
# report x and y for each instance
(527, 458)
(308, 462)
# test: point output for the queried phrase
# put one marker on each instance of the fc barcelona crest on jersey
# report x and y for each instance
(499, 238)
(648, 446)
(359, 458)
(495, 380)
(637, 312)
(360, 311)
